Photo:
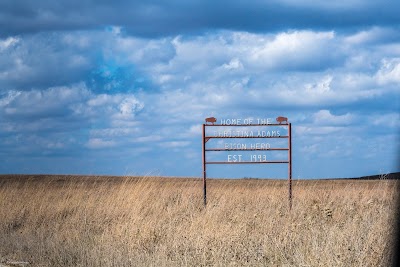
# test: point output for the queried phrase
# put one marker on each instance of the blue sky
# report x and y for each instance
(122, 88)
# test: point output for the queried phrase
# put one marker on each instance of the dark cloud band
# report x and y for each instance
(160, 18)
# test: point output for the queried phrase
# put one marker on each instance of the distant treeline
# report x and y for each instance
(386, 176)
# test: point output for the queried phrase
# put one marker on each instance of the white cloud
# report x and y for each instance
(148, 138)
(67, 109)
(320, 87)
(55, 145)
(78, 40)
(39, 103)
(296, 49)
(389, 119)
(389, 71)
(9, 97)
(97, 143)
(225, 68)
(310, 149)
(374, 35)
(115, 107)
(200, 73)
(100, 100)
(9, 42)
(113, 132)
(175, 144)
(130, 106)
(234, 59)
(324, 117)
(43, 60)
(318, 130)
(195, 129)
(233, 64)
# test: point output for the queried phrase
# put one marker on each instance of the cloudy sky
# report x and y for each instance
(123, 87)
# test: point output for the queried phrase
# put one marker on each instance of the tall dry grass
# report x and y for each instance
(99, 221)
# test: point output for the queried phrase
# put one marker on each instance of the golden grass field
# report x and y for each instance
(154, 221)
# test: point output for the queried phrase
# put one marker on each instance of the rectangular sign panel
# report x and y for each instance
(247, 141)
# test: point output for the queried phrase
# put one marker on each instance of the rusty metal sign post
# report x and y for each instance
(205, 139)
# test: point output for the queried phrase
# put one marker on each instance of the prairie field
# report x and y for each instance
(156, 221)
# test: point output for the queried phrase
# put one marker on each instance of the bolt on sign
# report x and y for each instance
(254, 146)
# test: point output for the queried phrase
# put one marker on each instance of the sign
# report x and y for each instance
(258, 132)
